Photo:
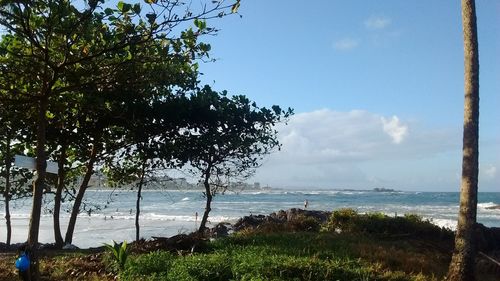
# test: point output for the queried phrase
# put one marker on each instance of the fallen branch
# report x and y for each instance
(490, 258)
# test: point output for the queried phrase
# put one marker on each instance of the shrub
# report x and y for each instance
(349, 221)
(303, 223)
(119, 253)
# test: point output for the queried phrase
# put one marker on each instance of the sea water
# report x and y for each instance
(167, 212)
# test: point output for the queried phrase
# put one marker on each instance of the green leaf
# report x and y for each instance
(126, 8)
(137, 8)
(120, 5)
(108, 11)
(151, 18)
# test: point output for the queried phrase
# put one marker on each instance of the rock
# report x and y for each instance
(222, 229)
(281, 217)
(321, 216)
(181, 243)
(70, 247)
(251, 221)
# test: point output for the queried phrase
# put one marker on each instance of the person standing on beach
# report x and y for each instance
(306, 203)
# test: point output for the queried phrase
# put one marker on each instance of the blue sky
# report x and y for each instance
(377, 88)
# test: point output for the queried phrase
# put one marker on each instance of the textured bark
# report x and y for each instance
(79, 197)
(6, 193)
(38, 187)
(463, 261)
(58, 196)
(208, 193)
(138, 203)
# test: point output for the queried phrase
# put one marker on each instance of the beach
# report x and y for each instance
(169, 212)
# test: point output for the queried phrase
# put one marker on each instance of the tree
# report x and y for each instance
(463, 260)
(226, 139)
(52, 41)
(13, 139)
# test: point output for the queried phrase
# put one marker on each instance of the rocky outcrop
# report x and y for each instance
(280, 217)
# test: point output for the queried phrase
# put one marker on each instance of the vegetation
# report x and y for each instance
(119, 253)
(226, 140)
(289, 251)
(83, 78)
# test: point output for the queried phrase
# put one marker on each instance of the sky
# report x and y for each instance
(376, 87)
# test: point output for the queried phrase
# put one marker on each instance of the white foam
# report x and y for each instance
(446, 223)
(487, 205)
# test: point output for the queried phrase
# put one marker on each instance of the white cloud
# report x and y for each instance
(355, 149)
(346, 44)
(377, 22)
(394, 129)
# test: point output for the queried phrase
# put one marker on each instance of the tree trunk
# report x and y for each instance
(6, 193)
(463, 260)
(81, 192)
(38, 187)
(58, 196)
(208, 208)
(138, 202)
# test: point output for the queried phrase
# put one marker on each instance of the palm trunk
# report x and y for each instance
(6, 194)
(58, 196)
(208, 193)
(463, 260)
(38, 187)
(138, 202)
(81, 192)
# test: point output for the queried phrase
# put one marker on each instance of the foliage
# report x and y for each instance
(119, 252)
(157, 262)
(283, 256)
(228, 136)
(82, 69)
(225, 139)
(349, 221)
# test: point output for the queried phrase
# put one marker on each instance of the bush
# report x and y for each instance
(349, 221)
(303, 223)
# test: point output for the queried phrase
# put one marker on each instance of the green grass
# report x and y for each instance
(275, 256)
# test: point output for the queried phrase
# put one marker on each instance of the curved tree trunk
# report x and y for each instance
(208, 193)
(138, 203)
(58, 196)
(6, 193)
(463, 261)
(79, 197)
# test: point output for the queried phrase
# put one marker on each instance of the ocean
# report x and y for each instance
(167, 212)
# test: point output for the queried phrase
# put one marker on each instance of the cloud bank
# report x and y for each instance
(359, 149)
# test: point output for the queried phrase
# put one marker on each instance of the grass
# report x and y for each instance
(349, 246)
(276, 256)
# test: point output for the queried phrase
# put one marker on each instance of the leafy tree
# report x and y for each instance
(151, 150)
(463, 260)
(51, 43)
(226, 138)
